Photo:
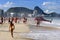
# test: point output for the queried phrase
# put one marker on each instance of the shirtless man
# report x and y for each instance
(40, 19)
(11, 28)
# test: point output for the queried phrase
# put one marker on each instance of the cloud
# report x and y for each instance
(48, 3)
(6, 5)
(51, 6)
(45, 3)
(48, 11)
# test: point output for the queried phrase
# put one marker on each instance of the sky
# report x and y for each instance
(47, 6)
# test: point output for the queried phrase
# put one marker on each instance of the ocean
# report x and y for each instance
(37, 33)
(55, 22)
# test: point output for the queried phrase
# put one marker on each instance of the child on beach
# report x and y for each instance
(11, 28)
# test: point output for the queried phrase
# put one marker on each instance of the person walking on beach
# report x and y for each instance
(11, 28)
(40, 19)
(9, 19)
(24, 20)
(1, 21)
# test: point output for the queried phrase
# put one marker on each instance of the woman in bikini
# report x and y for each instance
(11, 28)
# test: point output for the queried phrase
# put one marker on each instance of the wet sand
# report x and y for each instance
(19, 28)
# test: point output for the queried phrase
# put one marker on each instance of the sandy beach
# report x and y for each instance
(20, 28)
(5, 34)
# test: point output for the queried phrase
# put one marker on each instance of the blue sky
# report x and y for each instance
(47, 6)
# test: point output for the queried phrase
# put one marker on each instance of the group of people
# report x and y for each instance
(12, 26)
(16, 20)
(10, 21)
(13, 19)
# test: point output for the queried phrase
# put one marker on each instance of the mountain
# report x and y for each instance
(53, 14)
(18, 11)
(23, 11)
(38, 11)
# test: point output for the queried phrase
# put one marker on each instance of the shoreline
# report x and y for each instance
(21, 28)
